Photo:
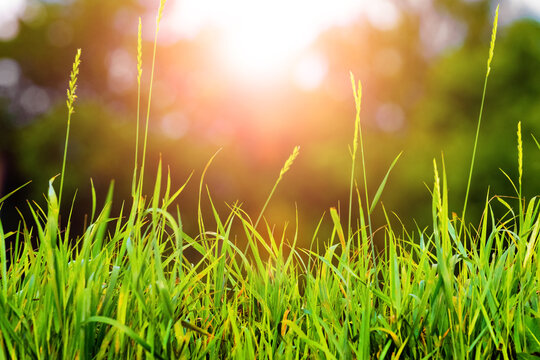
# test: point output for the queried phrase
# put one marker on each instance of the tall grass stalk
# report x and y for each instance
(139, 75)
(520, 170)
(71, 96)
(369, 207)
(284, 169)
(488, 70)
(357, 92)
(145, 141)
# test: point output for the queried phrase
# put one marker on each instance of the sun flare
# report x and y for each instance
(258, 40)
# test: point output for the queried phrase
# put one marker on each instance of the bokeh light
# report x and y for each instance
(10, 72)
(35, 100)
(310, 71)
(255, 79)
(9, 13)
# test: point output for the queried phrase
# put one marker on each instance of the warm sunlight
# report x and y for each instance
(259, 40)
(290, 179)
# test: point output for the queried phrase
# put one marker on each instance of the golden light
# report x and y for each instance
(263, 40)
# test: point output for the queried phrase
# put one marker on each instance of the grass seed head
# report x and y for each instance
(493, 37)
(139, 52)
(160, 11)
(289, 161)
(71, 96)
(520, 152)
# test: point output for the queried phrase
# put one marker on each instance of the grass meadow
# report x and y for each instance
(125, 288)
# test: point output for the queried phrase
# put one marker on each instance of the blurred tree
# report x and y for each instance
(6, 129)
(476, 15)
(446, 117)
(414, 100)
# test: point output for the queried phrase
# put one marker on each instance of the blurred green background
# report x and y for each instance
(422, 65)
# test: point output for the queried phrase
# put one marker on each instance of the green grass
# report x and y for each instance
(124, 289)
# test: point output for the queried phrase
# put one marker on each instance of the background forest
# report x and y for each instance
(422, 68)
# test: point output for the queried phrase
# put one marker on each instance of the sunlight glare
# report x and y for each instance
(310, 71)
(383, 14)
(258, 40)
(10, 11)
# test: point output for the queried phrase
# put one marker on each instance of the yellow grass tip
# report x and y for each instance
(437, 186)
(160, 11)
(71, 96)
(493, 37)
(139, 51)
(357, 91)
(520, 152)
(290, 161)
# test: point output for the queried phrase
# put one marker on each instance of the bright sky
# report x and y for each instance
(261, 39)
(258, 39)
